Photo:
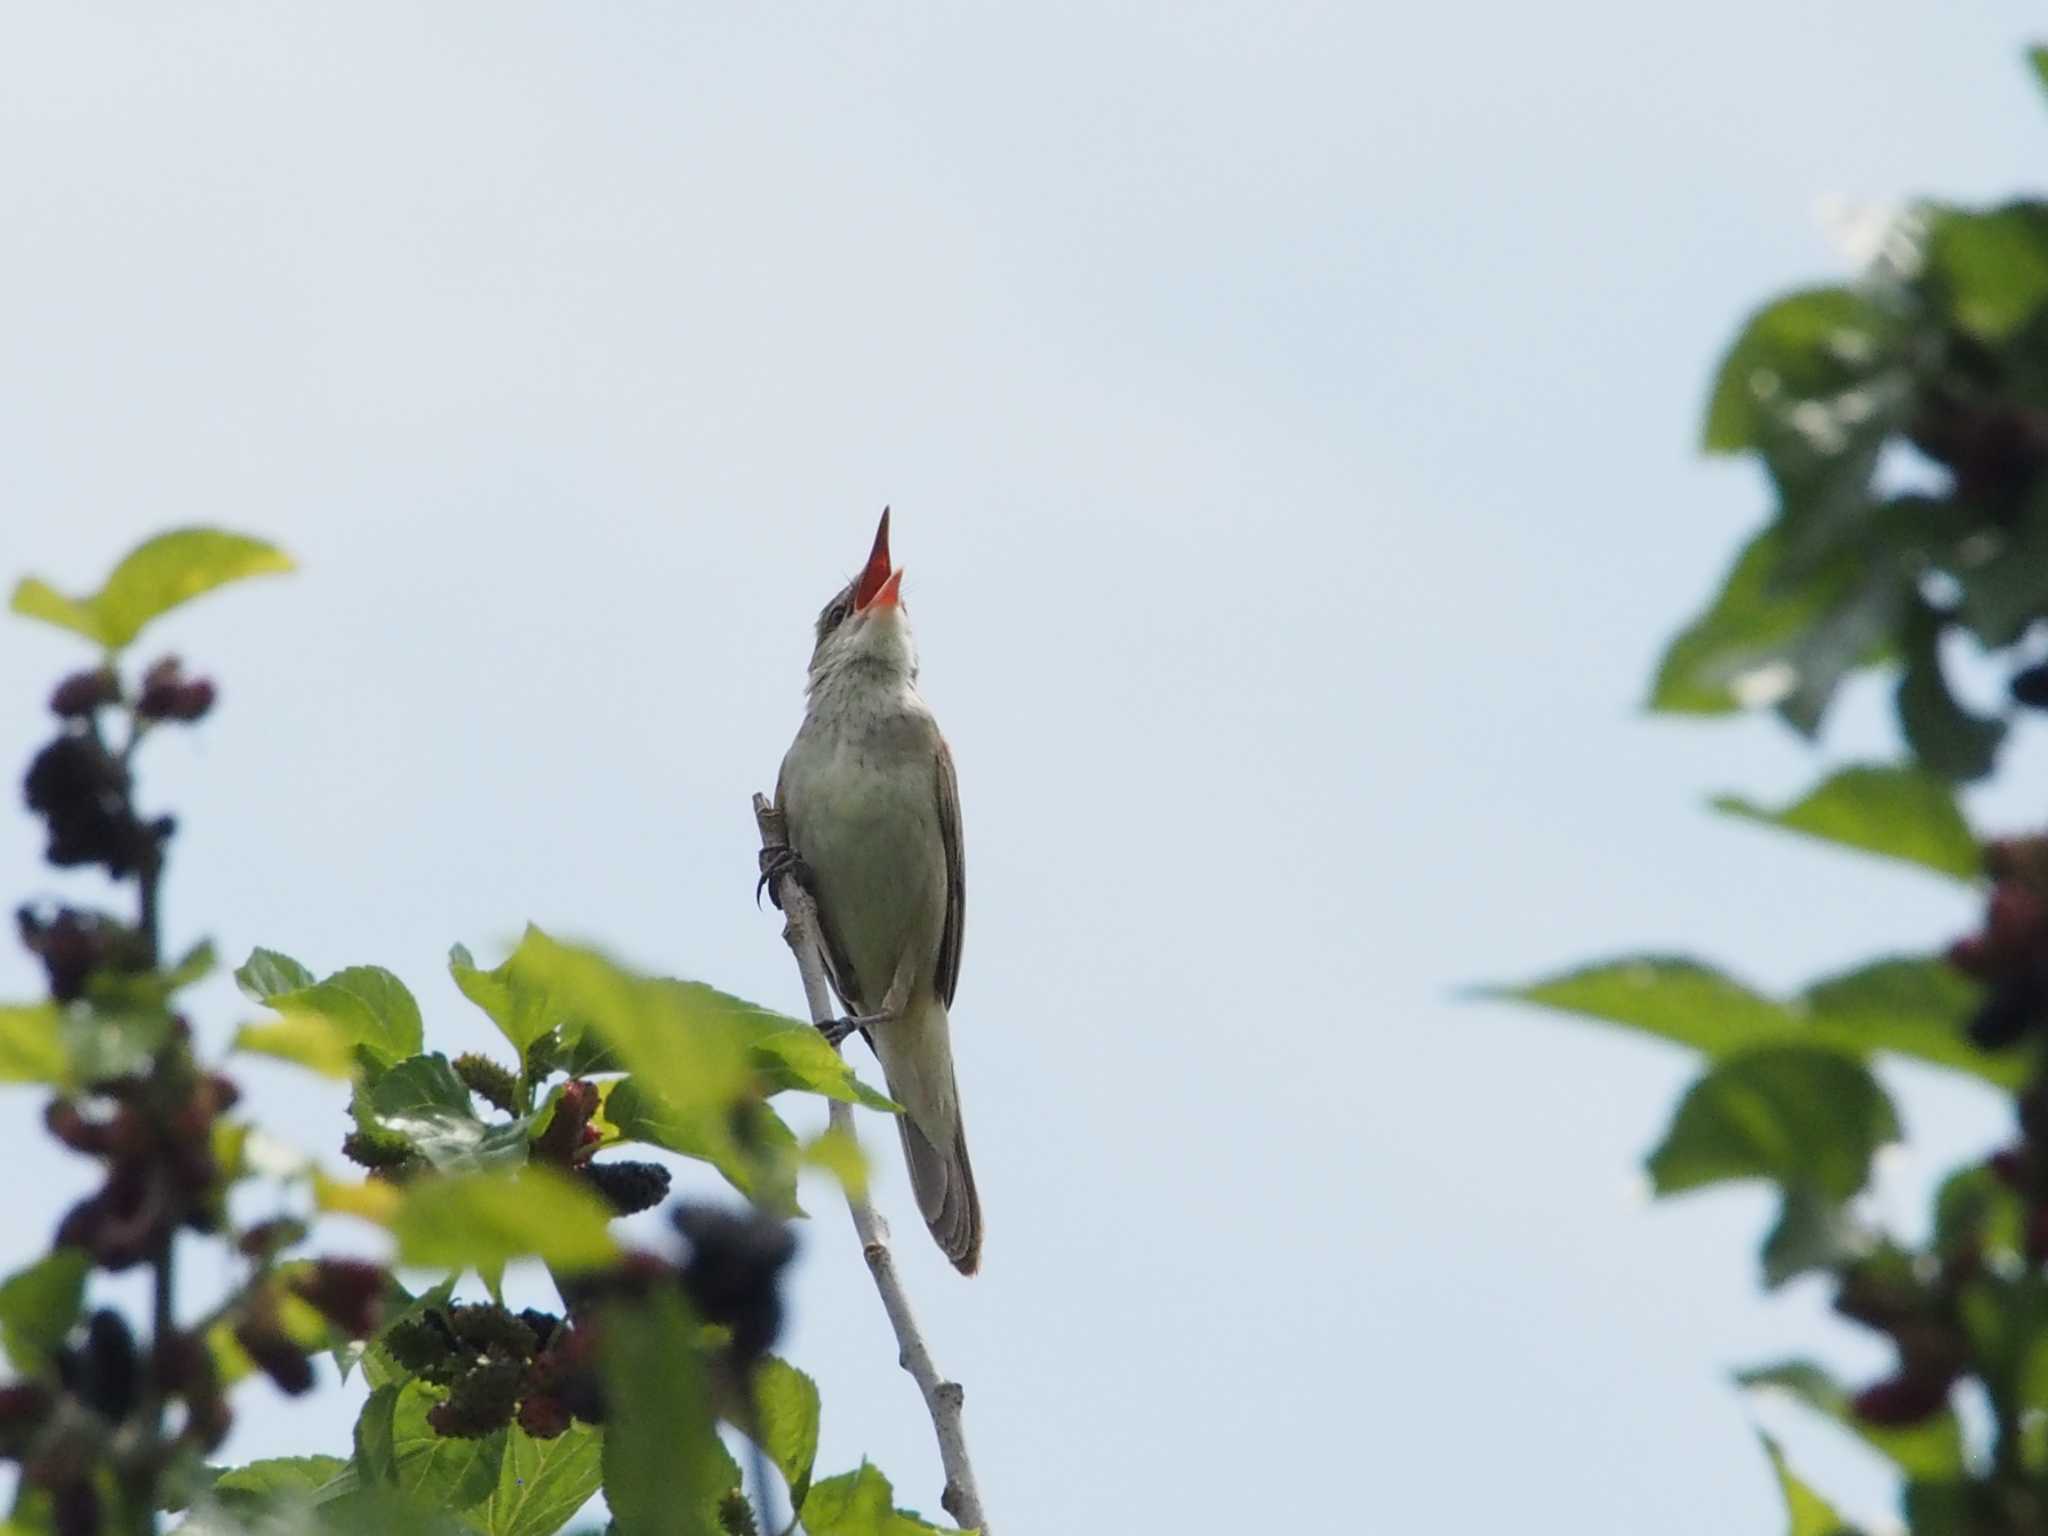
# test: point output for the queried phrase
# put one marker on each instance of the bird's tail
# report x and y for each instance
(918, 1065)
(943, 1181)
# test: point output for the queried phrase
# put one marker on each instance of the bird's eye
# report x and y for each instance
(835, 615)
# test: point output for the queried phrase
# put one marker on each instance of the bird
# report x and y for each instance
(871, 804)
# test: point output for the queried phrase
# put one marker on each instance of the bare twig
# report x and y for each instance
(942, 1398)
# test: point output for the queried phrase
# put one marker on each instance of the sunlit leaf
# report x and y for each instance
(786, 1414)
(32, 1045)
(680, 1041)
(305, 1040)
(159, 575)
(795, 1055)
(303, 1476)
(839, 1154)
(543, 1482)
(384, 1510)
(515, 995)
(1667, 996)
(1911, 1007)
(492, 1218)
(1806, 1512)
(860, 1503)
(395, 1445)
(664, 1467)
(1894, 811)
(760, 1164)
(363, 1005)
(374, 1200)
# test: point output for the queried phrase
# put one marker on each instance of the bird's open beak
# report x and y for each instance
(887, 595)
(877, 579)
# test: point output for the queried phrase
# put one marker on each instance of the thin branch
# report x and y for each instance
(942, 1398)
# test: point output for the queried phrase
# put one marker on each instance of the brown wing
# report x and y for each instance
(948, 975)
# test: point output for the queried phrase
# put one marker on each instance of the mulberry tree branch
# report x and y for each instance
(942, 1398)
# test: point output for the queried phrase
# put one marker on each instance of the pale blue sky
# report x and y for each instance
(1288, 414)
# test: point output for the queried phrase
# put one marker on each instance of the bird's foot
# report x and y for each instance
(774, 865)
(836, 1030)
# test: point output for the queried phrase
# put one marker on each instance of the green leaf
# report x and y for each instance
(685, 1045)
(542, 1483)
(38, 1306)
(424, 1101)
(266, 973)
(142, 991)
(396, 1446)
(1895, 812)
(1797, 1116)
(35, 598)
(516, 995)
(762, 1166)
(1854, 632)
(1806, 1512)
(2037, 58)
(860, 1503)
(1944, 736)
(384, 1511)
(2002, 571)
(1768, 641)
(304, 1040)
(477, 1219)
(1812, 1233)
(1992, 267)
(303, 1476)
(1907, 1007)
(786, 1413)
(100, 1046)
(32, 1045)
(664, 1466)
(1933, 1449)
(364, 1006)
(839, 1153)
(168, 570)
(1809, 343)
(789, 1054)
(1667, 996)
(1978, 1214)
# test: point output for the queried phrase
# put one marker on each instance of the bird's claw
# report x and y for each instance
(835, 1031)
(782, 861)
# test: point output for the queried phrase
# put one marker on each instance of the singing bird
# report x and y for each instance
(872, 810)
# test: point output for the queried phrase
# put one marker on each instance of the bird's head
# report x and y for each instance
(864, 626)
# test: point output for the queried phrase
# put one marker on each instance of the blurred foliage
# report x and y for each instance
(479, 1418)
(1901, 421)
